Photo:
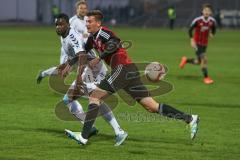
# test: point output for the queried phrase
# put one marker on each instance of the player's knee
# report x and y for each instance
(151, 110)
(94, 100)
(149, 104)
(66, 99)
(197, 61)
(205, 60)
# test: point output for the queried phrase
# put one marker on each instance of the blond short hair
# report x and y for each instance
(81, 2)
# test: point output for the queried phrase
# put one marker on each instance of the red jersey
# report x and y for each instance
(98, 41)
(202, 27)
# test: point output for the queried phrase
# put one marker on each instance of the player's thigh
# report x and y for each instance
(74, 92)
(201, 53)
(137, 90)
(115, 80)
(96, 95)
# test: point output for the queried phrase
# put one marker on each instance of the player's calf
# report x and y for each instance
(149, 104)
(75, 108)
(193, 61)
(163, 109)
(186, 60)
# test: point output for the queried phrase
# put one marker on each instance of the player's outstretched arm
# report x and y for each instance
(82, 62)
(193, 43)
(68, 67)
(213, 30)
(190, 33)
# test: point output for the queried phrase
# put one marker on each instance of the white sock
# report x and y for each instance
(50, 71)
(110, 118)
(76, 109)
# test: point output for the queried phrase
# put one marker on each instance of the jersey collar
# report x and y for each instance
(205, 20)
(67, 33)
(80, 17)
(96, 35)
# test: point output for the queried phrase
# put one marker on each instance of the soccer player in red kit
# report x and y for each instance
(124, 75)
(203, 26)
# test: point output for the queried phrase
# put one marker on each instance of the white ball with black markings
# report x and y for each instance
(155, 71)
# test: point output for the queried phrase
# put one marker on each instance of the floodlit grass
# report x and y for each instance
(30, 130)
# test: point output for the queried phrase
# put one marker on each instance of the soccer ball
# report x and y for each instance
(155, 71)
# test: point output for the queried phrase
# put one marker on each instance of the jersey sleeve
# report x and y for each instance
(191, 28)
(106, 36)
(77, 42)
(71, 20)
(63, 56)
(111, 43)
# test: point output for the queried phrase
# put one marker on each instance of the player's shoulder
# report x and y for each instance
(196, 19)
(85, 18)
(106, 33)
(104, 28)
(74, 35)
(73, 32)
(73, 18)
(212, 19)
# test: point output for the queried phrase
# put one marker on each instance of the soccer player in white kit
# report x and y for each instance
(78, 22)
(73, 44)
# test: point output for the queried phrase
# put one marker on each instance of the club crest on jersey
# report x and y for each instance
(204, 28)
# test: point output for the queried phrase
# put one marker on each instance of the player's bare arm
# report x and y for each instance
(190, 33)
(213, 30)
(68, 66)
(82, 62)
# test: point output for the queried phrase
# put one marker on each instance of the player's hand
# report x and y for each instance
(193, 43)
(66, 71)
(211, 35)
(94, 62)
(60, 68)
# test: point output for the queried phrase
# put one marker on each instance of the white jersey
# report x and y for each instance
(71, 45)
(63, 56)
(99, 71)
(79, 25)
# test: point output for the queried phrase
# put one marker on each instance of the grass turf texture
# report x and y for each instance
(29, 129)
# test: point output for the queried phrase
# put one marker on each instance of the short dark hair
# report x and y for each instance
(63, 16)
(207, 5)
(97, 14)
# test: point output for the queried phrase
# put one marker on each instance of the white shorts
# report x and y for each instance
(91, 79)
(86, 88)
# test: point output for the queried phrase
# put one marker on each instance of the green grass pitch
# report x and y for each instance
(30, 130)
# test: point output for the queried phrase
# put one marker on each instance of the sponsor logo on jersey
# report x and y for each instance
(204, 28)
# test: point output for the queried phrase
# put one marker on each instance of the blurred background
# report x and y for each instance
(140, 13)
